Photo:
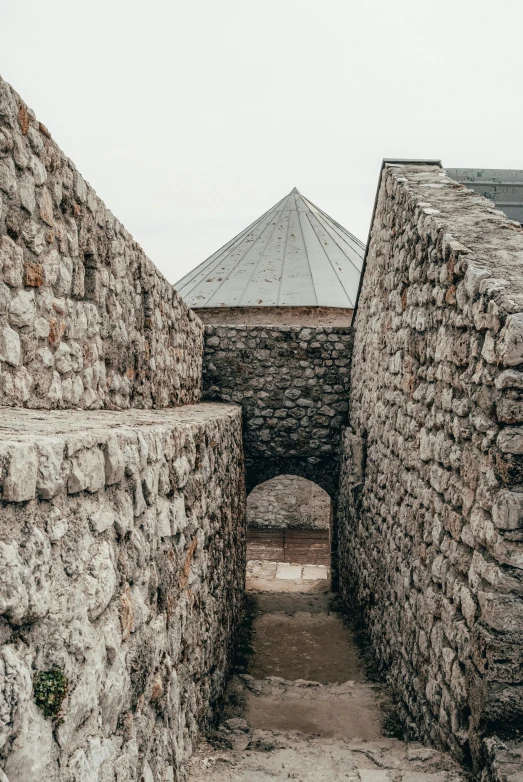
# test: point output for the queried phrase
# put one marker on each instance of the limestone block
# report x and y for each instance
(501, 612)
(87, 471)
(46, 207)
(10, 349)
(180, 471)
(51, 266)
(22, 310)
(179, 518)
(509, 379)
(124, 513)
(102, 518)
(5, 299)
(24, 578)
(100, 582)
(26, 189)
(50, 479)
(11, 262)
(83, 699)
(57, 526)
(139, 505)
(116, 694)
(20, 483)
(34, 236)
(510, 440)
(38, 170)
(62, 358)
(8, 182)
(354, 453)
(507, 510)
(510, 346)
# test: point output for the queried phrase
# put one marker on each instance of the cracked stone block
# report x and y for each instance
(10, 349)
(87, 471)
(20, 483)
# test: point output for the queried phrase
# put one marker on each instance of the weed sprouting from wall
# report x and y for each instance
(50, 690)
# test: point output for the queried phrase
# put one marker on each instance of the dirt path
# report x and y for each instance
(303, 706)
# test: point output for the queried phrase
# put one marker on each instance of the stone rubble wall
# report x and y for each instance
(431, 501)
(292, 383)
(86, 320)
(122, 567)
(289, 502)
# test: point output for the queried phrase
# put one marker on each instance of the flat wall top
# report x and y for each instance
(19, 424)
(75, 450)
(294, 255)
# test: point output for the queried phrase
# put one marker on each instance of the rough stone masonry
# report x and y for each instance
(86, 320)
(292, 383)
(431, 505)
(289, 502)
(122, 534)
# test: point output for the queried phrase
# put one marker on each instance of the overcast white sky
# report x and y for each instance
(190, 119)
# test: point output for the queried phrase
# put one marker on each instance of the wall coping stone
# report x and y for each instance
(46, 454)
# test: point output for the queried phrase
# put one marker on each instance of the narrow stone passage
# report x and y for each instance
(302, 704)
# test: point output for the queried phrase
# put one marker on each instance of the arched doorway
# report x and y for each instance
(289, 522)
(289, 502)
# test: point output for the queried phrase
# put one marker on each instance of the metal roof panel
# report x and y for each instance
(294, 255)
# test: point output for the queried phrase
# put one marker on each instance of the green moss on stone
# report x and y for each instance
(50, 689)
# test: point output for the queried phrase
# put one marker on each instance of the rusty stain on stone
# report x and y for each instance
(23, 117)
(33, 274)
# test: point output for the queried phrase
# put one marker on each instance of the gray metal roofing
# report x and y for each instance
(292, 256)
(503, 186)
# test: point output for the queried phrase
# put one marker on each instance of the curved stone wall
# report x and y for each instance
(289, 501)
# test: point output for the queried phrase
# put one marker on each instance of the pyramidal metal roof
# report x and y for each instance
(294, 255)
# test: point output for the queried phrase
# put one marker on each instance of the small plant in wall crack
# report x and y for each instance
(50, 690)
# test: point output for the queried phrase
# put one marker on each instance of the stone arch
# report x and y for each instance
(289, 502)
(262, 468)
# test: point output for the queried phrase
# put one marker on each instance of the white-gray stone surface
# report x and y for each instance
(122, 566)
(431, 523)
(86, 320)
(289, 501)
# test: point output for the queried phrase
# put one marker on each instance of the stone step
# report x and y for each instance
(349, 710)
(238, 754)
(312, 732)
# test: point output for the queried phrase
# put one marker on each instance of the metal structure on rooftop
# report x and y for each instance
(503, 186)
(294, 255)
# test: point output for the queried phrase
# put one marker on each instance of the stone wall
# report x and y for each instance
(292, 384)
(86, 320)
(122, 566)
(431, 504)
(122, 534)
(289, 502)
